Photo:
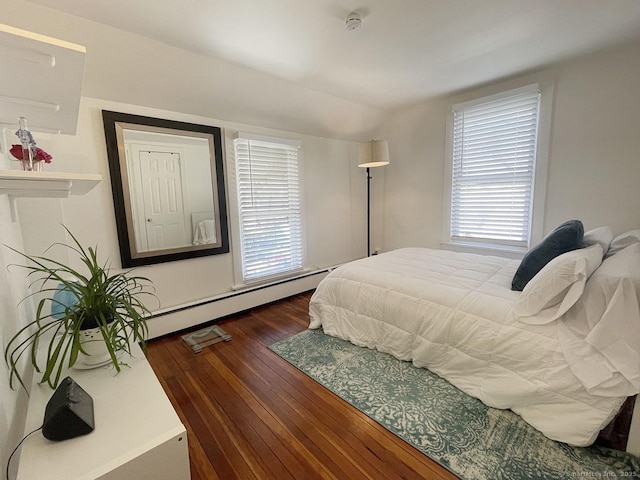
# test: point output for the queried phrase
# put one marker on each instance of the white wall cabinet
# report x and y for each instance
(41, 80)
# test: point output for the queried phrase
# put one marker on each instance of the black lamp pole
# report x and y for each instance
(368, 213)
(372, 154)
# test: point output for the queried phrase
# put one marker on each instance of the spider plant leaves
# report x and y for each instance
(110, 302)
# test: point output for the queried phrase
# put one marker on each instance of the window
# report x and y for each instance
(493, 168)
(268, 186)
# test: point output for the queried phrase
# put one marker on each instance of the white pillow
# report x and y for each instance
(601, 235)
(626, 263)
(623, 240)
(557, 286)
(606, 319)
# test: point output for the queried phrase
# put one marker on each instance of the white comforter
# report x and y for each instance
(452, 313)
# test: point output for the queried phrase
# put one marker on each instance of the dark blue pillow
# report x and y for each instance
(563, 239)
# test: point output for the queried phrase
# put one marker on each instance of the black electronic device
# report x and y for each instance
(69, 412)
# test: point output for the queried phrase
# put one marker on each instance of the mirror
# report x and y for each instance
(168, 188)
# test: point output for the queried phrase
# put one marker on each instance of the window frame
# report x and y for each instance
(546, 89)
(240, 281)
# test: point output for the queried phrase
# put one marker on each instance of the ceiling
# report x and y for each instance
(406, 51)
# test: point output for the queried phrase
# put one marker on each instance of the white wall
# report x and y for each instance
(594, 157)
(413, 180)
(594, 169)
(331, 194)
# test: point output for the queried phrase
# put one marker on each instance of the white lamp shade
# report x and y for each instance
(374, 154)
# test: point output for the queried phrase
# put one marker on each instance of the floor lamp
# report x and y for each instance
(374, 153)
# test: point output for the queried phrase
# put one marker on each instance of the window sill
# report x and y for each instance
(276, 279)
(485, 249)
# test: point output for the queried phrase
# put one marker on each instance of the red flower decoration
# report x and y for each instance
(16, 151)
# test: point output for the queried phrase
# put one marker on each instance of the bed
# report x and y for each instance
(564, 353)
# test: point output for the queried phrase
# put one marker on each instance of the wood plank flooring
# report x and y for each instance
(251, 415)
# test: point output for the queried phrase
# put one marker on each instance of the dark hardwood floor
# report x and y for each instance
(250, 414)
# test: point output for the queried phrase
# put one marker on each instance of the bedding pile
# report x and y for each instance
(563, 354)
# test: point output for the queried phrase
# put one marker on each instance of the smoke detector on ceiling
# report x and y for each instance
(353, 21)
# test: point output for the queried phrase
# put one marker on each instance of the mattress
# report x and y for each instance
(452, 313)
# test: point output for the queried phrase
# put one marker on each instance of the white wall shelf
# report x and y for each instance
(21, 184)
(18, 183)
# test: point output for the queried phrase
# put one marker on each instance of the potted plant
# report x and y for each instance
(72, 302)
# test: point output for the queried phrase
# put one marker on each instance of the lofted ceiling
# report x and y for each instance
(406, 51)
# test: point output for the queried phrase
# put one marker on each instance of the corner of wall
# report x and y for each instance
(14, 314)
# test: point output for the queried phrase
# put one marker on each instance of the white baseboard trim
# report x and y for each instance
(179, 318)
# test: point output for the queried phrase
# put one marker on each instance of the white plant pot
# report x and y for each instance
(97, 353)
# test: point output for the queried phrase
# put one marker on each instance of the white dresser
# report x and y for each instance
(137, 435)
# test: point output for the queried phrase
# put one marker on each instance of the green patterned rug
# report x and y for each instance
(459, 432)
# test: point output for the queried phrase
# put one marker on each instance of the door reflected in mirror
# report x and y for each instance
(168, 188)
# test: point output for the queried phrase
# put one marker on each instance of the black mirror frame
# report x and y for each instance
(110, 119)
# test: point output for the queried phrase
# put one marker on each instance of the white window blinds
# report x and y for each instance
(494, 150)
(269, 208)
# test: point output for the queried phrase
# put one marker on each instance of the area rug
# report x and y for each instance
(459, 432)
